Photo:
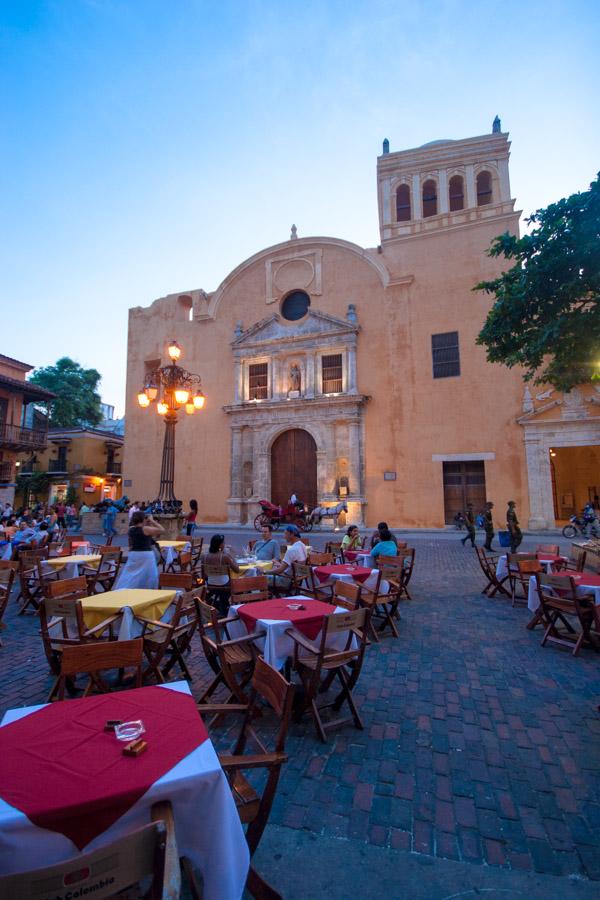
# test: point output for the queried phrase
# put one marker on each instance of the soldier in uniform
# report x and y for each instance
(470, 525)
(516, 535)
(488, 524)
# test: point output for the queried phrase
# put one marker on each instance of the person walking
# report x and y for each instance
(140, 570)
(108, 522)
(470, 525)
(191, 518)
(488, 524)
(516, 535)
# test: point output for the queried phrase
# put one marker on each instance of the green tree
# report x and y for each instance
(77, 399)
(546, 316)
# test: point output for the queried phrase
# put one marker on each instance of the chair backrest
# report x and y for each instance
(515, 558)
(346, 594)
(529, 566)
(345, 621)
(98, 656)
(117, 866)
(555, 587)
(249, 588)
(29, 558)
(321, 559)
(389, 561)
(184, 559)
(578, 556)
(334, 547)
(179, 580)
(401, 545)
(552, 549)
(8, 565)
(279, 694)
(67, 588)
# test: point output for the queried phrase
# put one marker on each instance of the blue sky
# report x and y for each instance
(149, 146)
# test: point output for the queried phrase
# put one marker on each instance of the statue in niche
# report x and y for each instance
(351, 314)
(294, 379)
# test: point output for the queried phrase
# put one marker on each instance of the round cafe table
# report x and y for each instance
(549, 562)
(169, 550)
(131, 602)
(585, 583)
(252, 567)
(71, 563)
(275, 616)
(343, 572)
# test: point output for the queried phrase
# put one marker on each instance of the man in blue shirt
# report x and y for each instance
(267, 547)
(108, 523)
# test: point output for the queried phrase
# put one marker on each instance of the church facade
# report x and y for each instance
(343, 373)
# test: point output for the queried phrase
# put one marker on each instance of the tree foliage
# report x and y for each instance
(77, 402)
(546, 316)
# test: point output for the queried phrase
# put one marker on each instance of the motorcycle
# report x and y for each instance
(579, 526)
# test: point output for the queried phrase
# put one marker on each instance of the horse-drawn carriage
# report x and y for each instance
(282, 515)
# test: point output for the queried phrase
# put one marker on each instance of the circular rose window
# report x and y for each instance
(295, 306)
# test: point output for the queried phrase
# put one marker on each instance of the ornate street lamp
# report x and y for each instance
(171, 387)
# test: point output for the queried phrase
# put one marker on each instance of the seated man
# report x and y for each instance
(281, 574)
(22, 539)
(266, 547)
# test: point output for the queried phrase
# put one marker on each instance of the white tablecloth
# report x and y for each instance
(277, 646)
(169, 554)
(533, 600)
(370, 583)
(502, 566)
(207, 824)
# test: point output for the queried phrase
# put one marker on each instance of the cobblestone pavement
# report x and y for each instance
(479, 745)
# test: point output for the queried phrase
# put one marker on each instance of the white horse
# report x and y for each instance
(328, 512)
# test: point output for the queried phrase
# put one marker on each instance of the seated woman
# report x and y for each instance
(266, 548)
(140, 570)
(218, 585)
(385, 546)
(352, 539)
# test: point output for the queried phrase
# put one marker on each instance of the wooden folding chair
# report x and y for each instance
(268, 688)
(512, 562)
(384, 606)
(320, 559)
(31, 579)
(407, 555)
(183, 581)
(346, 594)
(166, 642)
(520, 579)
(8, 571)
(304, 582)
(232, 661)
(249, 589)
(217, 594)
(335, 548)
(62, 623)
(181, 562)
(318, 660)
(196, 545)
(97, 657)
(105, 575)
(560, 603)
(489, 563)
(123, 864)
(550, 549)
(576, 561)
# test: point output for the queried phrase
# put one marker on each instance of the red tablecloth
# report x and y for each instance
(309, 621)
(581, 578)
(353, 554)
(550, 558)
(358, 573)
(66, 774)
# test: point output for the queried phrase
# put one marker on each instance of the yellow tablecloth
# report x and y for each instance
(264, 564)
(177, 545)
(59, 562)
(151, 604)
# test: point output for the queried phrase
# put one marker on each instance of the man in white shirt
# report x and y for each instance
(296, 552)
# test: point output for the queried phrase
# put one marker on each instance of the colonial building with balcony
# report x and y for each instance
(85, 459)
(15, 435)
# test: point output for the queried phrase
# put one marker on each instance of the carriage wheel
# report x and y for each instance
(260, 520)
(307, 524)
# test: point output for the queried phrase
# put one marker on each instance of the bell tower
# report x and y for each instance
(443, 184)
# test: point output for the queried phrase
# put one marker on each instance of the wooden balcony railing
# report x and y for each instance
(113, 468)
(17, 438)
(6, 471)
(57, 465)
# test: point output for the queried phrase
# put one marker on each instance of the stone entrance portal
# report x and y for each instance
(294, 468)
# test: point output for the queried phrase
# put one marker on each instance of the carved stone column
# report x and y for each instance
(238, 382)
(351, 387)
(416, 198)
(354, 459)
(309, 390)
(443, 205)
(470, 183)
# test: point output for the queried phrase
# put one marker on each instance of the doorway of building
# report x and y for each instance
(464, 482)
(294, 468)
(575, 479)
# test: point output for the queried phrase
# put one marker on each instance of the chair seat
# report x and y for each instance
(247, 801)
(341, 657)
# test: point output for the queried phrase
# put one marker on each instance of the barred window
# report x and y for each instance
(445, 354)
(331, 370)
(258, 381)
(457, 193)
(403, 203)
(484, 188)
(429, 198)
